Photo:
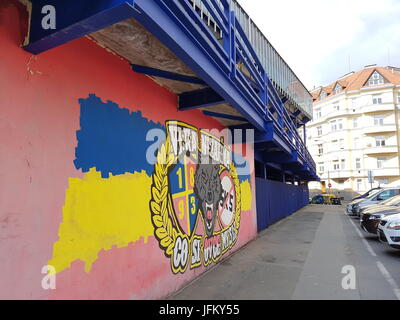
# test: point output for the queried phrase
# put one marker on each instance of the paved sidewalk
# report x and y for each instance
(300, 257)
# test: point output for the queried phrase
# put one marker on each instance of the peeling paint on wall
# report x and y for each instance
(100, 213)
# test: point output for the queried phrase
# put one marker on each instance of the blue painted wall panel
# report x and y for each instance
(277, 200)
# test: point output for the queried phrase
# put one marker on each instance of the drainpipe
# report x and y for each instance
(396, 116)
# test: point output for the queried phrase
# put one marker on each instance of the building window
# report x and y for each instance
(354, 103)
(356, 143)
(378, 120)
(336, 107)
(322, 95)
(320, 149)
(377, 99)
(336, 125)
(358, 163)
(342, 164)
(321, 168)
(355, 123)
(376, 79)
(380, 141)
(338, 88)
(341, 144)
(398, 97)
(333, 126)
(340, 124)
(319, 131)
(318, 113)
(335, 145)
(381, 163)
(359, 184)
(336, 165)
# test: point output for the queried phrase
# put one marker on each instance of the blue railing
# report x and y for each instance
(216, 19)
(284, 79)
(215, 38)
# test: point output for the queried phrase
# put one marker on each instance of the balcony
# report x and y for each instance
(380, 150)
(386, 172)
(338, 174)
(208, 52)
(382, 128)
(371, 108)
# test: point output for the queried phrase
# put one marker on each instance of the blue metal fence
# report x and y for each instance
(277, 200)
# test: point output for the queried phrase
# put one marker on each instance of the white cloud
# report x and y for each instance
(316, 37)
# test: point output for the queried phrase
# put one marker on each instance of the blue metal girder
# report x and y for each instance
(275, 166)
(223, 116)
(280, 157)
(271, 135)
(180, 28)
(296, 113)
(199, 99)
(157, 17)
(288, 173)
(74, 19)
(166, 74)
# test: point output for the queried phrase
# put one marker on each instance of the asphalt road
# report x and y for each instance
(303, 257)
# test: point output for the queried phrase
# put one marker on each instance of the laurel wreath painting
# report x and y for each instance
(159, 204)
(166, 227)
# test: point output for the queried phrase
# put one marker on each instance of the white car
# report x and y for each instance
(389, 231)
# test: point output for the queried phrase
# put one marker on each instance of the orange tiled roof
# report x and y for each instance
(358, 80)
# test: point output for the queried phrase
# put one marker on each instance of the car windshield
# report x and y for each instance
(374, 192)
(368, 193)
(394, 201)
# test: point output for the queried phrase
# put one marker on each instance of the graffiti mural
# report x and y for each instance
(195, 197)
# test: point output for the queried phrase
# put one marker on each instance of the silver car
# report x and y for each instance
(350, 209)
(375, 198)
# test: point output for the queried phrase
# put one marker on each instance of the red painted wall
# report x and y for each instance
(39, 120)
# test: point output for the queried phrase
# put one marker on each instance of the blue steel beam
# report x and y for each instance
(269, 138)
(263, 138)
(275, 166)
(163, 23)
(295, 114)
(74, 19)
(166, 74)
(177, 28)
(281, 157)
(199, 99)
(223, 116)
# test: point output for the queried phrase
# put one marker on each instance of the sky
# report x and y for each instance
(322, 40)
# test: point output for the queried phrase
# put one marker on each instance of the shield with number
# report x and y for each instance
(184, 200)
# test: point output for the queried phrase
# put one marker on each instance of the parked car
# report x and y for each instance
(375, 197)
(365, 195)
(350, 209)
(388, 202)
(372, 215)
(389, 231)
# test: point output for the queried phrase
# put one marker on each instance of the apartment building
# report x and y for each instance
(355, 133)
